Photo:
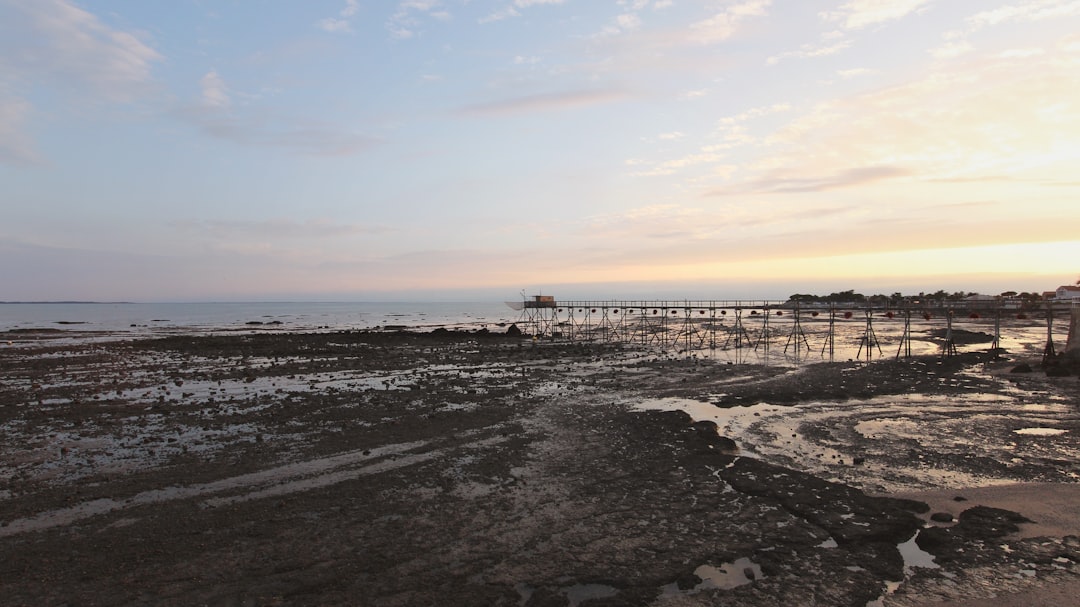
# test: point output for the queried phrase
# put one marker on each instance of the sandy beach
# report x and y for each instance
(469, 468)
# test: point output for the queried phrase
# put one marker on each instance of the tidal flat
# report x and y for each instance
(467, 468)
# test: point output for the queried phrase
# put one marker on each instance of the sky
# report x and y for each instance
(193, 150)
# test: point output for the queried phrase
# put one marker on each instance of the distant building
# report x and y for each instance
(1067, 293)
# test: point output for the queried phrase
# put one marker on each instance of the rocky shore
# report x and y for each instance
(453, 468)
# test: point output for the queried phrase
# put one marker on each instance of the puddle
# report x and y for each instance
(857, 442)
(727, 575)
(584, 592)
(915, 556)
(1040, 431)
(724, 577)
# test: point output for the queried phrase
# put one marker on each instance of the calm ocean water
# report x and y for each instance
(171, 317)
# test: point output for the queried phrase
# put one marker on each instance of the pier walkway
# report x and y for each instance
(795, 329)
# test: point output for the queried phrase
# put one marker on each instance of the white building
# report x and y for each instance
(1067, 293)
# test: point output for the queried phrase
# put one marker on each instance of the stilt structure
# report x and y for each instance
(830, 339)
(1048, 352)
(948, 348)
(690, 326)
(797, 334)
(905, 339)
(869, 339)
(738, 332)
(764, 337)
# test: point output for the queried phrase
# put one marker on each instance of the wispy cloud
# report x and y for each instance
(216, 116)
(1029, 11)
(406, 21)
(56, 42)
(778, 182)
(214, 93)
(855, 72)
(547, 102)
(16, 147)
(342, 23)
(858, 14)
(984, 120)
(511, 10)
(724, 24)
(277, 229)
(56, 46)
(507, 12)
(296, 135)
(809, 51)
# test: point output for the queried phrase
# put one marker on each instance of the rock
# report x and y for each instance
(688, 581)
(1057, 371)
(513, 331)
(1021, 368)
(941, 517)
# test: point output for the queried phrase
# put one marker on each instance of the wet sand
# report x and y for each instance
(452, 468)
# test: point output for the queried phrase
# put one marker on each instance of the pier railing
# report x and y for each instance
(688, 325)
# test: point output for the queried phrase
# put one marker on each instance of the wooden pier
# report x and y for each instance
(780, 327)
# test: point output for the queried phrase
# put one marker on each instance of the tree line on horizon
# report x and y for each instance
(896, 299)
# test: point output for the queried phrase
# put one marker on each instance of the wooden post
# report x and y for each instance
(1072, 346)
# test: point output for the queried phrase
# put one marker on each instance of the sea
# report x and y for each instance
(82, 322)
(142, 319)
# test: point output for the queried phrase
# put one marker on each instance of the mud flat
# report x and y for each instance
(453, 468)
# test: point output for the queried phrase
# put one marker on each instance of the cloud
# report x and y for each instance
(343, 22)
(52, 45)
(16, 147)
(670, 167)
(952, 49)
(251, 129)
(333, 25)
(546, 102)
(723, 25)
(809, 51)
(215, 115)
(56, 43)
(979, 121)
(858, 14)
(528, 3)
(1029, 11)
(404, 22)
(277, 229)
(511, 10)
(778, 182)
(857, 72)
(214, 93)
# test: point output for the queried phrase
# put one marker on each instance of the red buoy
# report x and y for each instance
(1021, 316)
(847, 314)
(813, 314)
(974, 315)
(779, 312)
(927, 316)
(888, 314)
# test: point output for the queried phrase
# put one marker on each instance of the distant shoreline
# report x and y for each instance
(64, 302)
